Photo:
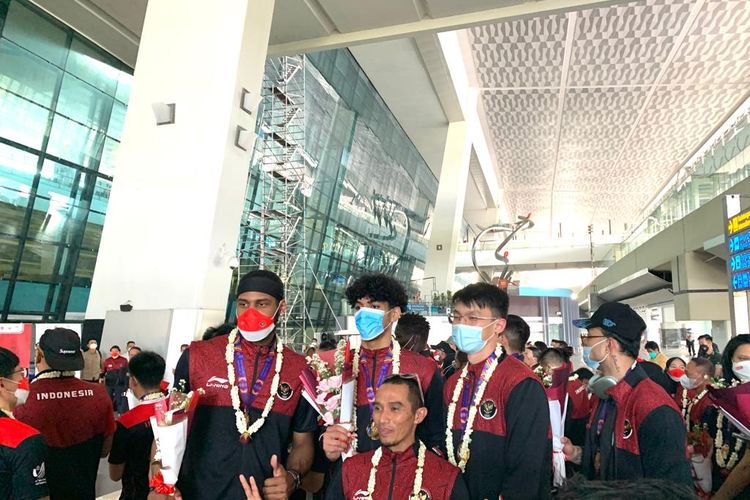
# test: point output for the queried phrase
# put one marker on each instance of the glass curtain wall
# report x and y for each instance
(62, 107)
(372, 194)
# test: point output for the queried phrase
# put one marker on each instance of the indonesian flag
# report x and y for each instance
(557, 397)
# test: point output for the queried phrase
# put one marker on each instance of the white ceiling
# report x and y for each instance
(591, 112)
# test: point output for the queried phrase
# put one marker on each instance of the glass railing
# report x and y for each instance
(722, 163)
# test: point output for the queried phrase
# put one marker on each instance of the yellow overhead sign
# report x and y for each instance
(739, 223)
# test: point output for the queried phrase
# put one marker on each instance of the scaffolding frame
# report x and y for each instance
(278, 222)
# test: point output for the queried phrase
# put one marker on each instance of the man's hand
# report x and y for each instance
(572, 452)
(336, 440)
(277, 487)
(251, 490)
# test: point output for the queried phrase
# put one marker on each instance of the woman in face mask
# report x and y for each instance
(730, 455)
(674, 370)
(14, 386)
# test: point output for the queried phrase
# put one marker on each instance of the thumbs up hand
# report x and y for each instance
(279, 486)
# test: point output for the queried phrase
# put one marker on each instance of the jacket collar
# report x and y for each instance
(624, 387)
(403, 456)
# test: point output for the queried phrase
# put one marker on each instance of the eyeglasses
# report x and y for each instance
(584, 337)
(407, 377)
(470, 319)
(23, 371)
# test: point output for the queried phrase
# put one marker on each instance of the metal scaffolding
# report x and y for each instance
(278, 220)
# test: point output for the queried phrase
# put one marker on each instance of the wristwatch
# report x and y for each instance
(296, 478)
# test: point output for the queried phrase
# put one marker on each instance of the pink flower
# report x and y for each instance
(328, 418)
(334, 382)
(332, 403)
(320, 397)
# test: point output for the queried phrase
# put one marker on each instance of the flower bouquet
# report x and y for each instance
(170, 427)
(544, 377)
(699, 449)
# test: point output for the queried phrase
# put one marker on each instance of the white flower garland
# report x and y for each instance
(417, 476)
(240, 419)
(355, 374)
(721, 454)
(466, 442)
(688, 405)
(54, 374)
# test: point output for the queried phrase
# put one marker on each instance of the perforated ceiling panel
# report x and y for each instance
(591, 112)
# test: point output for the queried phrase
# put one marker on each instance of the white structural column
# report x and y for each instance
(449, 209)
(176, 203)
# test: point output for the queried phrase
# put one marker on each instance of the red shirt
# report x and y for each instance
(74, 416)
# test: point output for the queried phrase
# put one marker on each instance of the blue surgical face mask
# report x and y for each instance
(591, 363)
(369, 322)
(468, 338)
(652, 355)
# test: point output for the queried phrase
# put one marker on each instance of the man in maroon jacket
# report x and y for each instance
(402, 466)
(74, 416)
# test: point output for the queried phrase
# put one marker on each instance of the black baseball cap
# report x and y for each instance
(443, 346)
(62, 349)
(617, 318)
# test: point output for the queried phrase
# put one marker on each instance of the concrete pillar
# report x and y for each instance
(699, 282)
(449, 209)
(174, 212)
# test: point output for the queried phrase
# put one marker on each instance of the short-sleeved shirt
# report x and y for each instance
(74, 417)
(132, 447)
(215, 456)
(22, 457)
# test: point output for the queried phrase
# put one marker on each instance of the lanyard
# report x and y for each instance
(469, 389)
(369, 389)
(239, 360)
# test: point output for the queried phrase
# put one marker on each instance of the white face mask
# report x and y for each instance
(93, 346)
(741, 370)
(21, 394)
(689, 383)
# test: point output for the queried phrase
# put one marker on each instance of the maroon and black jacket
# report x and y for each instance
(395, 477)
(75, 417)
(214, 457)
(642, 434)
(432, 430)
(511, 445)
(22, 456)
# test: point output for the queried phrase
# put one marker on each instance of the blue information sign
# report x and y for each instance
(739, 243)
(741, 281)
(739, 262)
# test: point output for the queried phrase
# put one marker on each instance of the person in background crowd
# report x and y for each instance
(541, 346)
(133, 351)
(515, 336)
(655, 373)
(561, 344)
(674, 370)
(229, 436)
(692, 395)
(214, 331)
(708, 349)
(690, 342)
(378, 301)
(636, 430)
(655, 355)
(311, 349)
(74, 416)
(93, 363)
(22, 448)
(183, 347)
(584, 375)
(130, 458)
(531, 357)
(115, 379)
(506, 451)
(731, 459)
(412, 332)
(403, 464)
(578, 407)
(445, 356)
(129, 345)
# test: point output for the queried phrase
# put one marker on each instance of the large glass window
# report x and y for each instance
(62, 108)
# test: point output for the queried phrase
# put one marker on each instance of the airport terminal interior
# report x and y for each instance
(566, 154)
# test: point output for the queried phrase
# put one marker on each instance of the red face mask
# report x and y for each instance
(676, 373)
(115, 355)
(254, 325)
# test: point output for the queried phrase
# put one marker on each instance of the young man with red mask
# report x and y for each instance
(498, 415)
(635, 431)
(252, 408)
(22, 448)
(115, 371)
(402, 466)
(378, 301)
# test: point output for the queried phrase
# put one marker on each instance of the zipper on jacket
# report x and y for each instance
(393, 478)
